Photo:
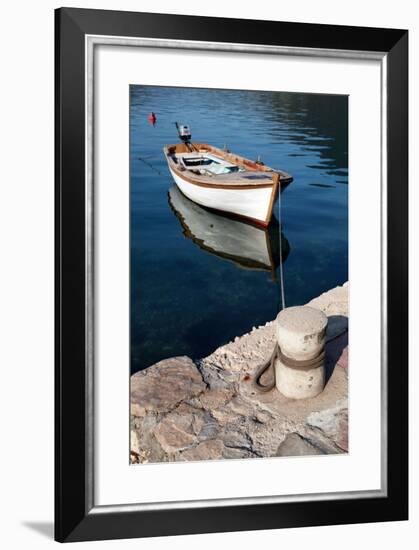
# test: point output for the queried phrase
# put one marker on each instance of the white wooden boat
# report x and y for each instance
(220, 180)
(245, 244)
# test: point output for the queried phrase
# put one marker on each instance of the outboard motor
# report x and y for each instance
(184, 132)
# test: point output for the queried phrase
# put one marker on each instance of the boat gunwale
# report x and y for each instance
(249, 165)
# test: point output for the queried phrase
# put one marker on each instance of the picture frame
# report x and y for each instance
(77, 518)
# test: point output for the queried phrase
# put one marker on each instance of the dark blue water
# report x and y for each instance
(188, 298)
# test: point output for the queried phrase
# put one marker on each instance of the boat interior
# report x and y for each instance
(211, 167)
(206, 164)
(211, 163)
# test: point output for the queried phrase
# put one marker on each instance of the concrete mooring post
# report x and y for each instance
(299, 367)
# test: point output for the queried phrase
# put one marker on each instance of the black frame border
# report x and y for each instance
(73, 520)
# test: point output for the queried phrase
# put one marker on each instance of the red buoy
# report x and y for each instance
(152, 118)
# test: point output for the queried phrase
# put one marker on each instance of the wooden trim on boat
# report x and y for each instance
(276, 182)
(239, 187)
(227, 155)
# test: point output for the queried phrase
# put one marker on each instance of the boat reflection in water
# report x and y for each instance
(248, 246)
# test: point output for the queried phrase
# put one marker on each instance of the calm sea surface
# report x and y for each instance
(198, 279)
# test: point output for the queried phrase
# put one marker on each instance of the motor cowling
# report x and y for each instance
(184, 132)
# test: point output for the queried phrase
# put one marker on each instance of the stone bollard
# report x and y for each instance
(299, 368)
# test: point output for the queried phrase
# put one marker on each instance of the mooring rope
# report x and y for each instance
(151, 166)
(277, 353)
(281, 270)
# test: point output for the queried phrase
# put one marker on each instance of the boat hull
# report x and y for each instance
(253, 203)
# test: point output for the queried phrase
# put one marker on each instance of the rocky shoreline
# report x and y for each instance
(183, 410)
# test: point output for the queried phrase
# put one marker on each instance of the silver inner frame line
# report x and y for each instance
(90, 42)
